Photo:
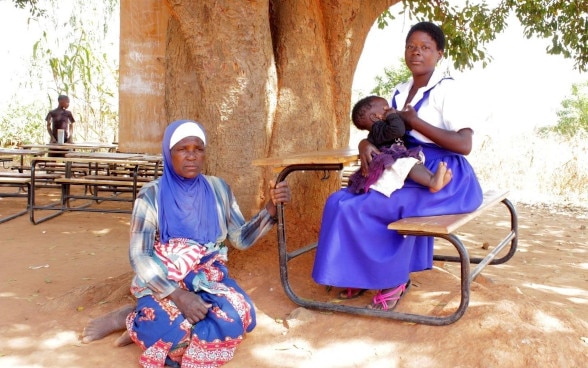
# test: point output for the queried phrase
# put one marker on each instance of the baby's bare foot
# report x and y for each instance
(104, 325)
(441, 177)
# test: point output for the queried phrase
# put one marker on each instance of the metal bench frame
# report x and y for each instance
(463, 258)
(16, 183)
(92, 188)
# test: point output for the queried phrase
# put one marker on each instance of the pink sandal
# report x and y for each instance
(393, 296)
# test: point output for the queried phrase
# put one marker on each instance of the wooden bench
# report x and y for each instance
(94, 186)
(16, 183)
(98, 184)
(445, 227)
(41, 179)
(346, 162)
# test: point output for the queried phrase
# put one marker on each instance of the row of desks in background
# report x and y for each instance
(7, 155)
(96, 172)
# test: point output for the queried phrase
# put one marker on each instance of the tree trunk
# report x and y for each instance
(265, 79)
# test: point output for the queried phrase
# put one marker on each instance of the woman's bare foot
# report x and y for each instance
(104, 325)
(441, 178)
(351, 293)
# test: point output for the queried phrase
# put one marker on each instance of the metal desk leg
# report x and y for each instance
(463, 259)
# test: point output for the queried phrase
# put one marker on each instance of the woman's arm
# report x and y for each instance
(458, 142)
(243, 234)
(143, 230)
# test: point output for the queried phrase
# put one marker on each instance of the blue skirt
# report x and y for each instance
(356, 249)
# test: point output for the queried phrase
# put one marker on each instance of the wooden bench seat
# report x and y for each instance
(38, 175)
(10, 181)
(140, 179)
(346, 161)
(97, 183)
(445, 227)
(446, 224)
(103, 181)
(77, 169)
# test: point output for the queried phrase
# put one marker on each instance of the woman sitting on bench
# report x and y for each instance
(355, 249)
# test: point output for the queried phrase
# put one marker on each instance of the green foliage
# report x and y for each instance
(573, 115)
(392, 76)
(33, 5)
(22, 125)
(470, 27)
(80, 61)
(564, 21)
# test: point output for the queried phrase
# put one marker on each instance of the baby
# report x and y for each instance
(389, 169)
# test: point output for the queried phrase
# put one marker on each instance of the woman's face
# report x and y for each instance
(421, 54)
(188, 157)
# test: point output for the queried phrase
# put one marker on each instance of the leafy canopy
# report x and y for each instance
(469, 27)
(392, 76)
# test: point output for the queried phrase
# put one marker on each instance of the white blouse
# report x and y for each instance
(443, 108)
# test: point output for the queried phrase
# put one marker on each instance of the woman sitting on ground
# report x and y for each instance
(189, 311)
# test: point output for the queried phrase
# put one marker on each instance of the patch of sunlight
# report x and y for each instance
(251, 290)
(548, 323)
(338, 354)
(19, 328)
(39, 360)
(21, 342)
(557, 289)
(578, 300)
(583, 266)
(432, 295)
(6, 362)
(7, 295)
(60, 339)
(101, 232)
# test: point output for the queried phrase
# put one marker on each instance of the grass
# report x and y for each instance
(546, 170)
(536, 170)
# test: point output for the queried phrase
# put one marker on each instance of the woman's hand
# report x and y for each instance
(191, 305)
(366, 153)
(278, 193)
(409, 115)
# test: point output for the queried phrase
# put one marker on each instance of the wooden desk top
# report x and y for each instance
(334, 156)
(80, 145)
(95, 160)
(116, 156)
(107, 155)
(20, 151)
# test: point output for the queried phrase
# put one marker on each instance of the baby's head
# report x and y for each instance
(369, 110)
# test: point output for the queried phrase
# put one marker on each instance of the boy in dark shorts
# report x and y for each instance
(60, 118)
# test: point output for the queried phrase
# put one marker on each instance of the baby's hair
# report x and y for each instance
(432, 30)
(361, 107)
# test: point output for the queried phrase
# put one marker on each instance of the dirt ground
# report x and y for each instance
(529, 312)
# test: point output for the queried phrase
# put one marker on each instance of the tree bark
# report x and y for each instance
(266, 79)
